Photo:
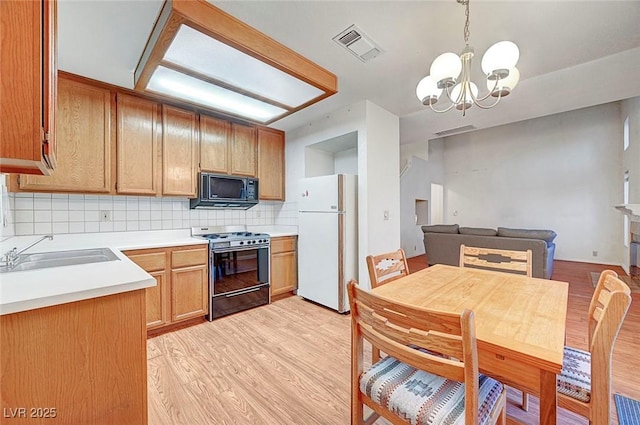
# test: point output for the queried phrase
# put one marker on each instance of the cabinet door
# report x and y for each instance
(271, 164)
(157, 301)
(28, 70)
(214, 145)
(243, 150)
(138, 140)
(189, 293)
(179, 144)
(283, 273)
(84, 122)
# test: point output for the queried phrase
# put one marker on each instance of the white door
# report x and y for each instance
(318, 194)
(318, 258)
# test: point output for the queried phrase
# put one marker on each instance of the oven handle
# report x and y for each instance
(242, 292)
(236, 249)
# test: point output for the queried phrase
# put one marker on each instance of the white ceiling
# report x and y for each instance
(573, 54)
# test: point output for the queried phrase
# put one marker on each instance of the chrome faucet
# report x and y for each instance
(10, 257)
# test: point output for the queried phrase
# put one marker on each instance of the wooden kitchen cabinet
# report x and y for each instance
(284, 271)
(154, 262)
(243, 150)
(29, 79)
(189, 282)
(182, 292)
(179, 152)
(85, 141)
(82, 362)
(215, 140)
(271, 164)
(138, 141)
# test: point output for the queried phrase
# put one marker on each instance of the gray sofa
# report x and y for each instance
(442, 244)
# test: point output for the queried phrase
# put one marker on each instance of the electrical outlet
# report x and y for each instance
(105, 215)
(595, 253)
(258, 214)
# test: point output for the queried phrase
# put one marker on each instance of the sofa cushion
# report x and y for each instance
(546, 235)
(479, 231)
(441, 228)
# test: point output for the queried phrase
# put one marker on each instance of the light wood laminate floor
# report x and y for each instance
(288, 363)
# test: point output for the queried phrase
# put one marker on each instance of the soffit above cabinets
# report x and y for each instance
(201, 55)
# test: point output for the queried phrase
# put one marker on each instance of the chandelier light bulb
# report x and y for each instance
(428, 91)
(445, 69)
(505, 85)
(467, 102)
(501, 56)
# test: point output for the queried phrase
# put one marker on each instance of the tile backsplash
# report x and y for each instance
(40, 213)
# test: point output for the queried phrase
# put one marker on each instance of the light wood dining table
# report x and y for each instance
(520, 322)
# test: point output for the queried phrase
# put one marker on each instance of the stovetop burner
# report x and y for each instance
(222, 235)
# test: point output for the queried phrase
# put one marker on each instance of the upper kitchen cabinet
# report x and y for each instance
(215, 136)
(85, 139)
(227, 148)
(27, 103)
(243, 150)
(138, 153)
(271, 164)
(179, 152)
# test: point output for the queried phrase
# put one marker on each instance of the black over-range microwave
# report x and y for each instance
(221, 191)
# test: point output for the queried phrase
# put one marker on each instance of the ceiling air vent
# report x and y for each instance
(358, 43)
(455, 130)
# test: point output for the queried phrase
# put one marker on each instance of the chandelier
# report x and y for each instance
(451, 73)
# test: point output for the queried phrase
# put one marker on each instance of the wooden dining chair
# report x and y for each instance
(387, 267)
(496, 259)
(584, 387)
(502, 260)
(431, 371)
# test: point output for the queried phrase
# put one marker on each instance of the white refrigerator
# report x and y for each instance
(327, 239)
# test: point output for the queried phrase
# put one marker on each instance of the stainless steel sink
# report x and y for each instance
(43, 260)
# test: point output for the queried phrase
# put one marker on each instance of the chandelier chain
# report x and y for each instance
(466, 21)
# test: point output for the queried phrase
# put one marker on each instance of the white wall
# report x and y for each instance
(318, 163)
(630, 161)
(346, 161)
(416, 184)
(382, 180)
(377, 169)
(560, 172)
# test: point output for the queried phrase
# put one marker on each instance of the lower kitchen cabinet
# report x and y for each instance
(182, 292)
(82, 362)
(284, 272)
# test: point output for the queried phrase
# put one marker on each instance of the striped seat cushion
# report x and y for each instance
(575, 380)
(422, 398)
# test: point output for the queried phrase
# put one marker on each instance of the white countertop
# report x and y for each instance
(27, 290)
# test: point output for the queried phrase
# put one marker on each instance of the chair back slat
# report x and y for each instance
(445, 367)
(496, 259)
(409, 316)
(387, 267)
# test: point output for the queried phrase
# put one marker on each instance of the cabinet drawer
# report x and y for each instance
(285, 244)
(150, 262)
(189, 257)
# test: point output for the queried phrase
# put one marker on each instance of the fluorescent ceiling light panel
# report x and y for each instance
(207, 56)
(201, 55)
(172, 83)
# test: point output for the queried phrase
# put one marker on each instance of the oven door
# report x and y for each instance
(239, 279)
